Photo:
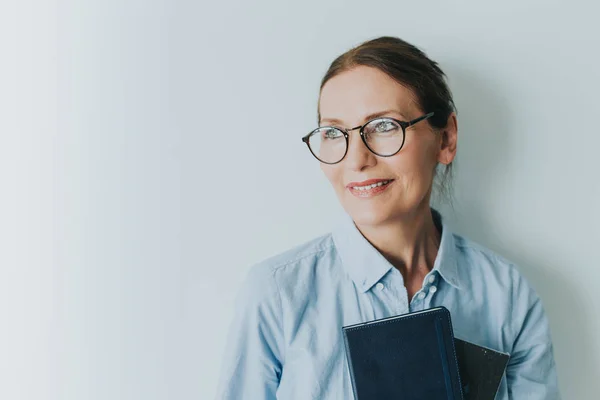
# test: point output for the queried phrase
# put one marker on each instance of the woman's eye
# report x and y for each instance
(384, 126)
(331, 134)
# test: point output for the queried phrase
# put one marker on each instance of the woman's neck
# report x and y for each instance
(410, 244)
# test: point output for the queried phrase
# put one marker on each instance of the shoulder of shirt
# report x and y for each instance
(473, 249)
(493, 267)
(293, 256)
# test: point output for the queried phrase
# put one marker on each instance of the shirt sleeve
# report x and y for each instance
(531, 371)
(253, 357)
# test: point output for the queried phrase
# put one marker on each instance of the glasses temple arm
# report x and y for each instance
(414, 121)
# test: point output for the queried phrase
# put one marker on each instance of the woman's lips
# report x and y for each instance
(372, 191)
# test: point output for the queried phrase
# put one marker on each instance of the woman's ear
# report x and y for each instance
(449, 139)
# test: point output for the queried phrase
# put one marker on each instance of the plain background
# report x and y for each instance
(150, 153)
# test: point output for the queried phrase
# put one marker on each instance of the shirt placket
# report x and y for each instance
(422, 299)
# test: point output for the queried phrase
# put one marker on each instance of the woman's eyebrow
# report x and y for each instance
(382, 113)
(367, 118)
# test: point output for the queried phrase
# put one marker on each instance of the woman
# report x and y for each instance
(387, 122)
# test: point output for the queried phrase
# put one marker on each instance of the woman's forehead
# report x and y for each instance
(363, 91)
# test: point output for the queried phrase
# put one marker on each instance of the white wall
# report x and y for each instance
(124, 234)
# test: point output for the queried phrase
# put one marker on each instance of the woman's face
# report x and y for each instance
(352, 98)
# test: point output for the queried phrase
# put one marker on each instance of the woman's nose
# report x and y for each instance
(358, 156)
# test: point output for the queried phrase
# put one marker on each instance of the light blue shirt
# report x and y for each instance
(286, 340)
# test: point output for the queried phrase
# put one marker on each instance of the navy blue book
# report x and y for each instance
(406, 357)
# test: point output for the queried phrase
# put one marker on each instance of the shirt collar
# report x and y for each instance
(366, 265)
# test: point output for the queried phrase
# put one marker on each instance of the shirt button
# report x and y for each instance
(421, 296)
(432, 289)
(380, 286)
(431, 278)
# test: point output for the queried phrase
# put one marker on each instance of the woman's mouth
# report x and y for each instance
(369, 188)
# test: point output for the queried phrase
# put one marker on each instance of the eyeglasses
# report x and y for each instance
(382, 136)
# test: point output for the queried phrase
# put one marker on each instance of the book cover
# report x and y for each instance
(481, 369)
(408, 357)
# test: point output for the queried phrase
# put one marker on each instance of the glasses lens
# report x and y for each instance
(328, 144)
(384, 136)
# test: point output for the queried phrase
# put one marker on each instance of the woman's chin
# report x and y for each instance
(368, 217)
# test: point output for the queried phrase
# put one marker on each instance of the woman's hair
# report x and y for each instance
(410, 67)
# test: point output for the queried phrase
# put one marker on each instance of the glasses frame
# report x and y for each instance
(346, 132)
